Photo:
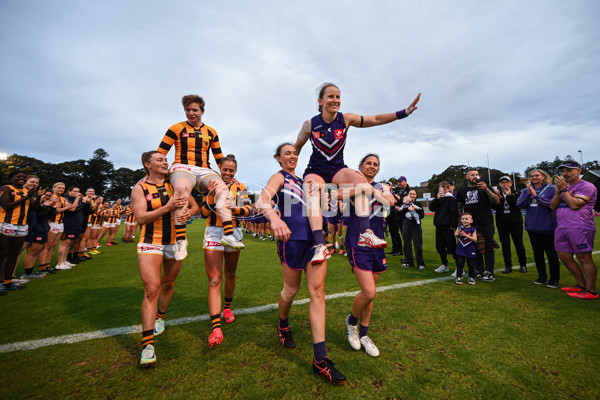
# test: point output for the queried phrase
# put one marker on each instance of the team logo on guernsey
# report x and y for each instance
(148, 197)
(339, 133)
(185, 134)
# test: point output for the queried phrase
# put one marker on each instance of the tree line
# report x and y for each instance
(98, 172)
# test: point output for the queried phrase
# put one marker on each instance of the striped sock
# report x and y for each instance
(228, 302)
(215, 320)
(227, 228)
(43, 267)
(147, 337)
(7, 281)
(180, 232)
(161, 314)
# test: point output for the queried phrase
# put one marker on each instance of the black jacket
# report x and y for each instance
(507, 211)
(446, 211)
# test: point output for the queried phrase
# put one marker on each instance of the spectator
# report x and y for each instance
(510, 224)
(574, 200)
(540, 222)
(412, 230)
(477, 198)
(445, 208)
(396, 218)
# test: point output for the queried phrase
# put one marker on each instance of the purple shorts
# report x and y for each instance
(326, 175)
(367, 259)
(573, 240)
(295, 253)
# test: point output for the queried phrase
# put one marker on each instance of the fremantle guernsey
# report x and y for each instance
(375, 219)
(292, 204)
(328, 142)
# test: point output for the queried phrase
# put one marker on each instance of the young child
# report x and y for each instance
(466, 249)
(411, 214)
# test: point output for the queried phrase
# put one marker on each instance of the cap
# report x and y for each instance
(570, 164)
(402, 178)
(504, 178)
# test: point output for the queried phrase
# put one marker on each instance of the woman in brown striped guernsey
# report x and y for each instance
(14, 203)
(56, 227)
(130, 225)
(154, 203)
(215, 253)
(193, 141)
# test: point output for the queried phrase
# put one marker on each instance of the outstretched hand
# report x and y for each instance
(413, 105)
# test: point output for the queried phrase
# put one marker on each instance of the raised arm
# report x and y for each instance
(380, 119)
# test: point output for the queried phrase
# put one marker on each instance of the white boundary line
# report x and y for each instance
(127, 330)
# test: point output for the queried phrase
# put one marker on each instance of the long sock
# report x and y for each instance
(352, 320)
(215, 320)
(228, 302)
(28, 271)
(320, 351)
(318, 236)
(147, 337)
(7, 282)
(284, 323)
(363, 222)
(43, 267)
(160, 314)
(363, 330)
(227, 228)
(180, 232)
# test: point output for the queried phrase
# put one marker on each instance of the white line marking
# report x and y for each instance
(127, 330)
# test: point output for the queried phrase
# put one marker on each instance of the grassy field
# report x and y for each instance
(507, 339)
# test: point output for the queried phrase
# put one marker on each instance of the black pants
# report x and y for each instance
(394, 224)
(488, 258)
(544, 243)
(413, 234)
(506, 231)
(445, 243)
(460, 264)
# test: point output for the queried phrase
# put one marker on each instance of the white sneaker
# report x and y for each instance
(352, 332)
(159, 326)
(148, 357)
(68, 264)
(369, 239)
(442, 268)
(231, 241)
(62, 266)
(321, 254)
(454, 274)
(181, 249)
(370, 348)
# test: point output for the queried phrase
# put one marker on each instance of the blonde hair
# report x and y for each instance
(547, 178)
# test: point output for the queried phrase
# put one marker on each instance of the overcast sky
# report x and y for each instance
(518, 80)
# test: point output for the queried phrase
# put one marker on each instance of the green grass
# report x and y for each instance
(507, 339)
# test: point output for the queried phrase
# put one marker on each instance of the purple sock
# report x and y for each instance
(320, 351)
(284, 323)
(363, 330)
(352, 320)
(318, 236)
(363, 222)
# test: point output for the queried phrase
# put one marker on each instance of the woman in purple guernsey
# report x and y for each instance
(327, 132)
(367, 263)
(295, 248)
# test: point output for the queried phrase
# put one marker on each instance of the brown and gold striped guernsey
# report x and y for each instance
(239, 193)
(192, 145)
(162, 230)
(18, 214)
(129, 215)
(59, 215)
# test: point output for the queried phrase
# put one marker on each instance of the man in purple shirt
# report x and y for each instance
(574, 235)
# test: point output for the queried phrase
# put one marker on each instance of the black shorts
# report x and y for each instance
(37, 237)
(71, 232)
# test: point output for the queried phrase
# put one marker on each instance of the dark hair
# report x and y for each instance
(193, 98)
(229, 157)
(279, 148)
(16, 171)
(72, 187)
(472, 169)
(146, 156)
(322, 89)
(362, 160)
(466, 213)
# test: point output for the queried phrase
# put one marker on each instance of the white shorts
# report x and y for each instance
(165, 250)
(118, 223)
(108, 225)
(96, 226)
(130, 223)
(201, 176)
(89, 225)
(14, 230)
(213, 236)
(55, 227)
